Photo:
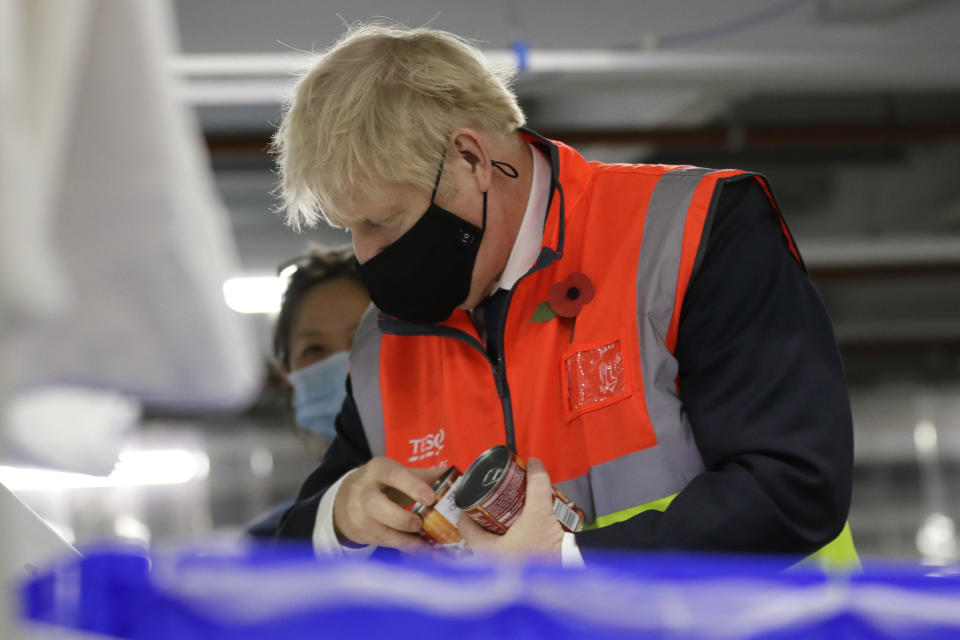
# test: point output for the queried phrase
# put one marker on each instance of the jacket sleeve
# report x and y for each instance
(761, 380)
(347, 451)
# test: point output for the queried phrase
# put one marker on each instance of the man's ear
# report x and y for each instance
(472, 149)
(470, 157)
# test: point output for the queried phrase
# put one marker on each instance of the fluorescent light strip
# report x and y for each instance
(135, 468)
(260, 294)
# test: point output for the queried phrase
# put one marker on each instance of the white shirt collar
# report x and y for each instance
(526, 248)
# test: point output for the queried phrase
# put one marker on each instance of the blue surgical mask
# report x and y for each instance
(318, 393)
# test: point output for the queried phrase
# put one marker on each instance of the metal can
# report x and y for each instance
(440, 519)
(494, 489)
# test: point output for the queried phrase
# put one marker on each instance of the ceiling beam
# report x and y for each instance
(267, 77)
(256, 143)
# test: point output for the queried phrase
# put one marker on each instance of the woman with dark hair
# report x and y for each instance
(322, 306)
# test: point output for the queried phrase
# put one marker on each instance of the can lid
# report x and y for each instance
(418, 507)
(478, 483)
(443, 477)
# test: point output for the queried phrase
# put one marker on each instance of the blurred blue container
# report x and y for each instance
(259, 594)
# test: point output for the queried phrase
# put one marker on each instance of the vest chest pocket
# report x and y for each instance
(595, 375)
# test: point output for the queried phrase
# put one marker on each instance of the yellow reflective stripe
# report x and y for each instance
(840, 554)
(613, 518)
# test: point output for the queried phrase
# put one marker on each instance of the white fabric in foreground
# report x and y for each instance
(135, 232)
(69, 428)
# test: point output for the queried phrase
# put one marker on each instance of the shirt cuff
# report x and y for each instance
(325, 541)
(570, 557)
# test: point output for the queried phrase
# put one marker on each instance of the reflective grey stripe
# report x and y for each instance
(657, 275)
(667, 468)
(365, 377)
(636, 478)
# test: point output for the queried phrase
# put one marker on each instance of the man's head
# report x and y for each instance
(372, 123)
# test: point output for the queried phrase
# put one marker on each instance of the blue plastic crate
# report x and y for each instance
(261, 593)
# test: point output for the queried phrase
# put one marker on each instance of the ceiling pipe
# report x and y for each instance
(266, 78)
(881, 257)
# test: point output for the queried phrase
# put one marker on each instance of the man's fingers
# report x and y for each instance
(398, 497)
(478, 538)
(408, 542)
(390, 473)
(539, 487)
(389, 514)
(429, 475)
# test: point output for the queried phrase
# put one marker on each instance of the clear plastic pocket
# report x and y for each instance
(596, 376)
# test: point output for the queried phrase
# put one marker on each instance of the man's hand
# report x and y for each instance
(536, 531)
(363, 514)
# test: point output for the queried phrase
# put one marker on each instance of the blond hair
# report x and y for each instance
(378, 108)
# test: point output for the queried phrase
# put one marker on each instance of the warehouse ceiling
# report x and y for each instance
(851, 107)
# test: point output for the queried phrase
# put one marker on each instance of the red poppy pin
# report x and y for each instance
(565, 299)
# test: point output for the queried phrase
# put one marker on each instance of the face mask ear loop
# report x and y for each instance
(506, 169)
(484, 223)
(436, 183)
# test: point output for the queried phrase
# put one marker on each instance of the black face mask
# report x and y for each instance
(425, 274)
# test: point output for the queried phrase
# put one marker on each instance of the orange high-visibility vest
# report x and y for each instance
(597, 400)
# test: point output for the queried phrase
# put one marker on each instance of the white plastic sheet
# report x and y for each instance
(114, 245)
